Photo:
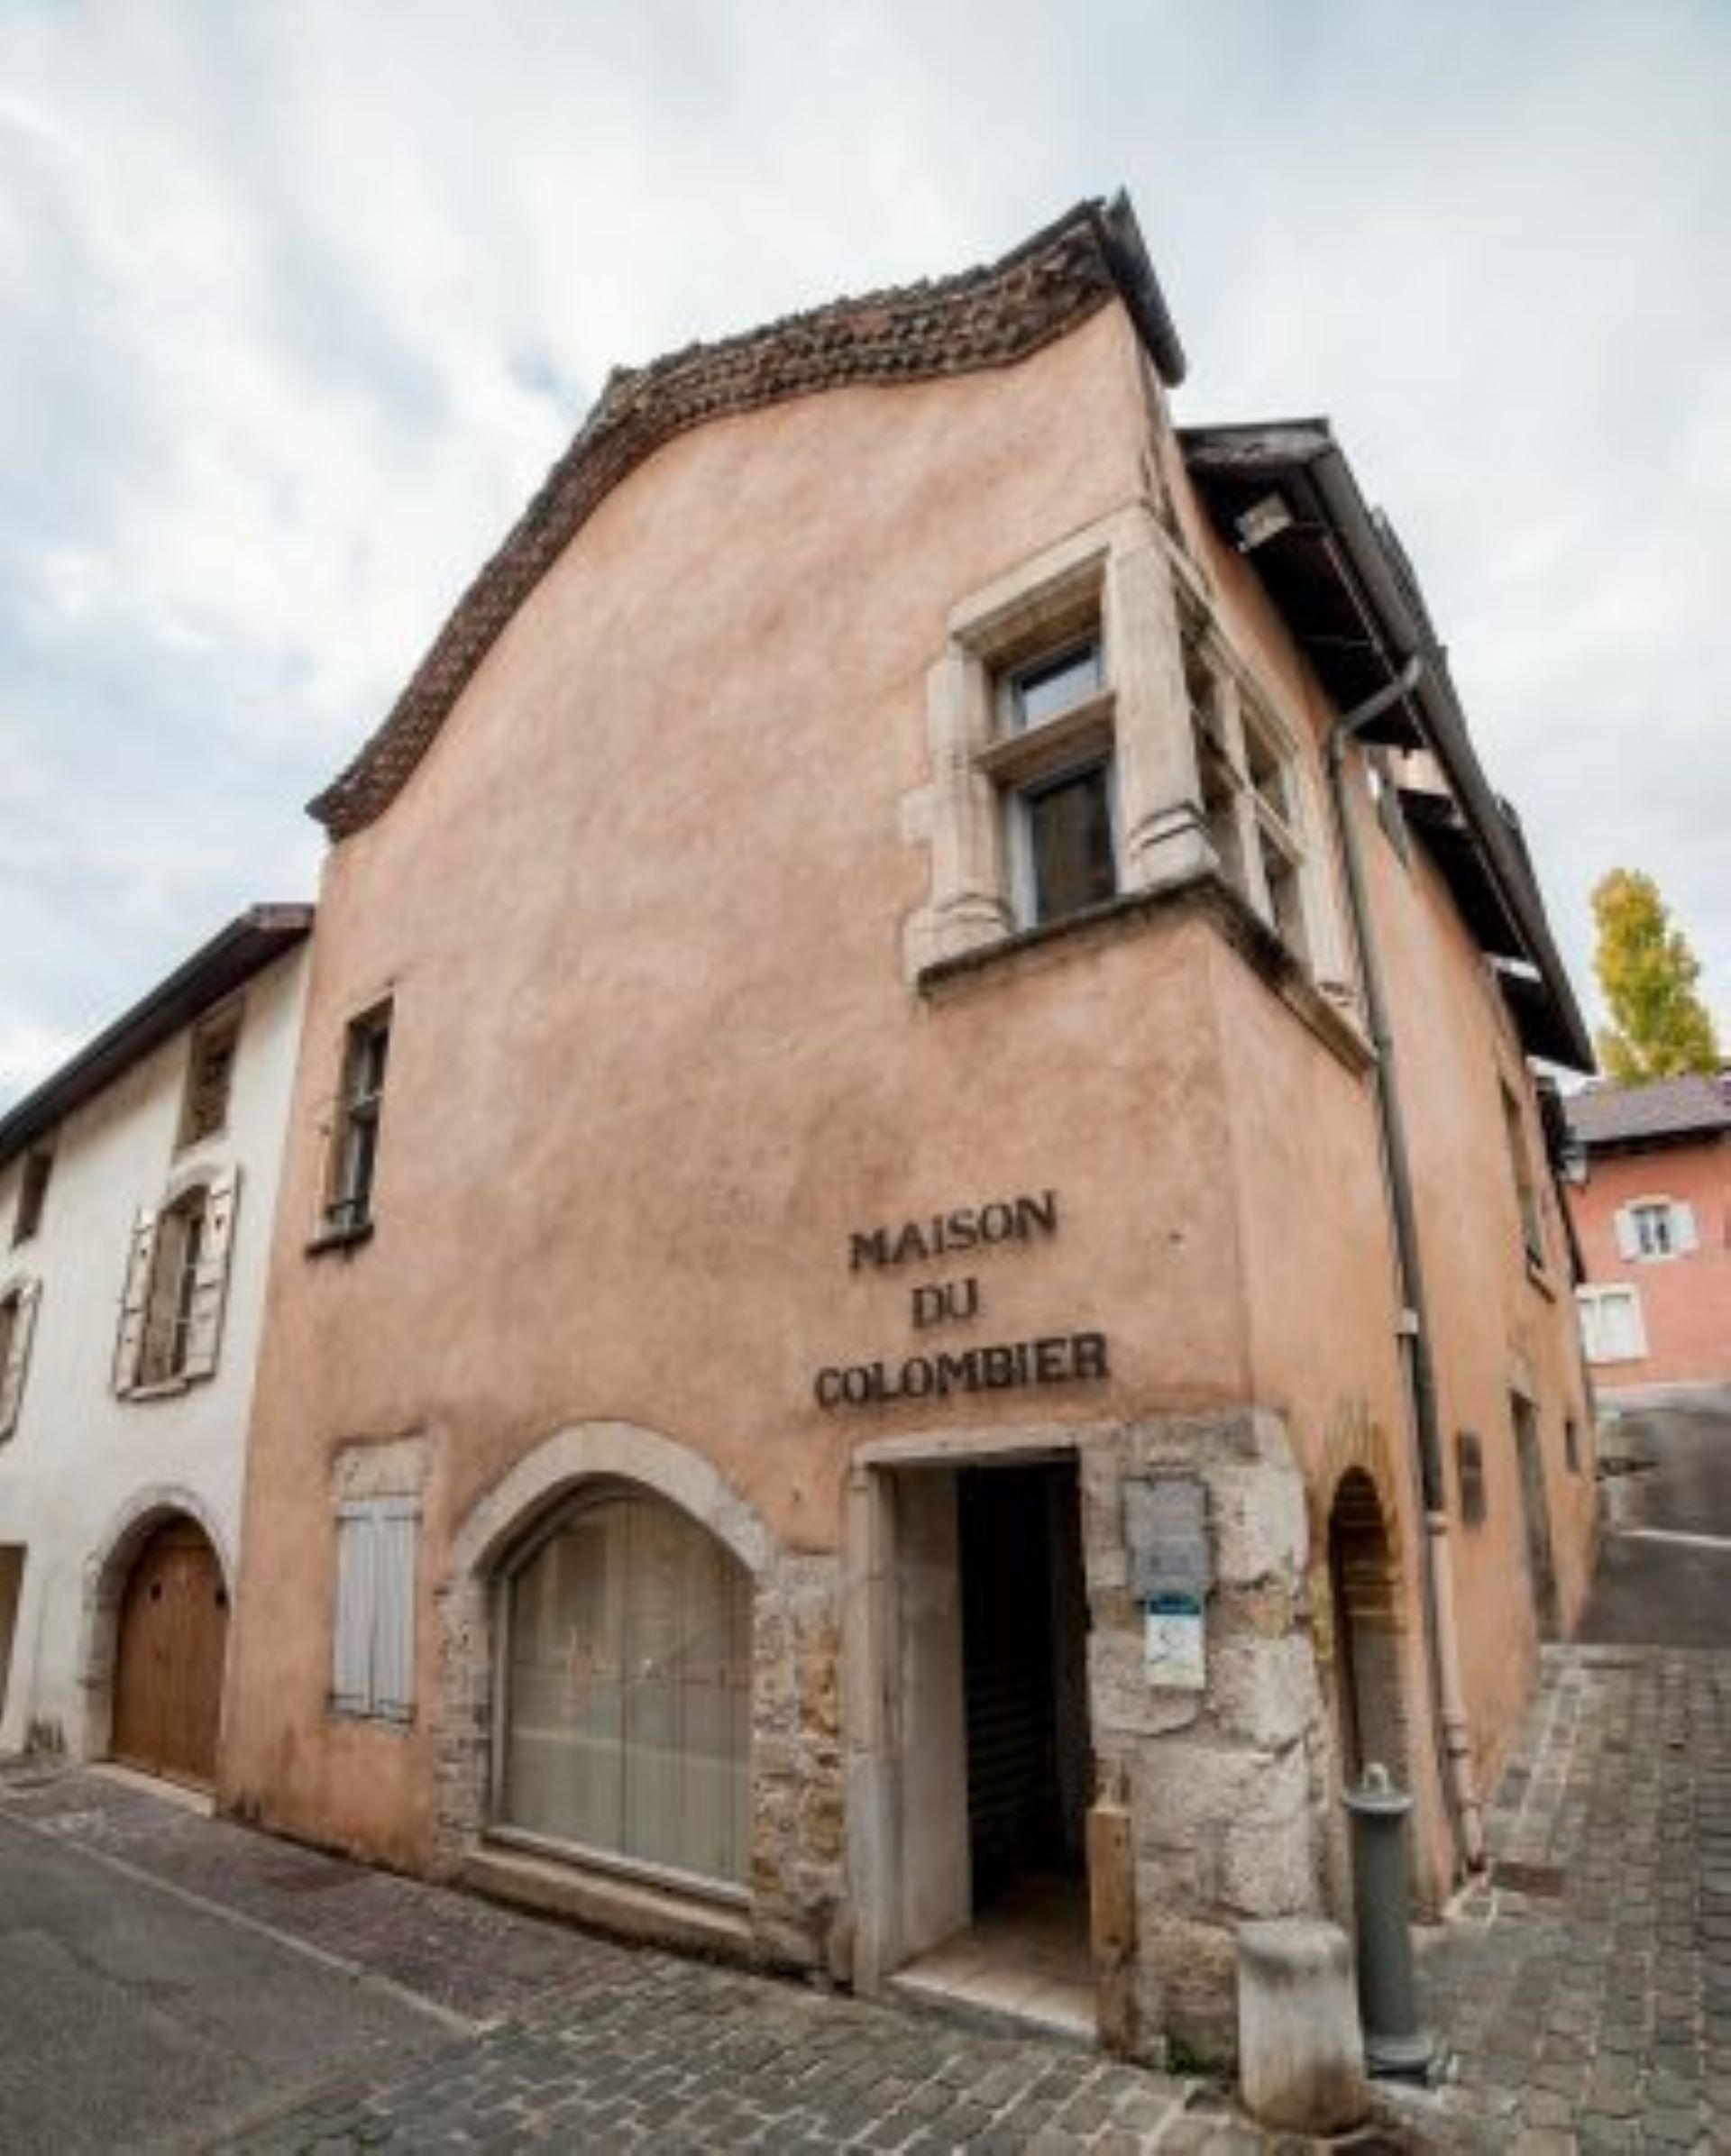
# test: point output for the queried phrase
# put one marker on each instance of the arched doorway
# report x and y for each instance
(169, 1655)
(1365, 1589)
(625, 1719)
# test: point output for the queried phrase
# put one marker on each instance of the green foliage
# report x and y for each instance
(1660, 1028)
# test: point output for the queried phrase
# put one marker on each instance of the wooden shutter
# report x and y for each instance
(393, 1625)
(350, 1657)
(210, 1282)
(1628, 1236)
(1684, 1236)
(11, 1378)
(134, 1303)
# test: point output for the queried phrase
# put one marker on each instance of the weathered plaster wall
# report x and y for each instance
(1498, 1327)
(654, 1055)
(84, 1468)
(1685, 1300)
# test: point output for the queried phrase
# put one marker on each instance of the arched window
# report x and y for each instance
(627, 1688)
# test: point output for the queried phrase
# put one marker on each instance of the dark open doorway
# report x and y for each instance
(1025, 1631)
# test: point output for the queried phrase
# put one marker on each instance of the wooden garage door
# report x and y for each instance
(168, 1666)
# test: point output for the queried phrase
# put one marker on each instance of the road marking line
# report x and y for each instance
(1672, 1534)
(323, 1956)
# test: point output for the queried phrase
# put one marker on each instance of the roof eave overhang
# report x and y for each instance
(245, 947)
(1335, 580)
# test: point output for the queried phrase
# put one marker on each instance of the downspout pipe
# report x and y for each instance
(1442, 1639)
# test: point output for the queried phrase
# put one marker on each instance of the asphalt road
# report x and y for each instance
(131, 2018)
(1664, 1573)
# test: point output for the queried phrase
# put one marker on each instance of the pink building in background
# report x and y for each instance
(1652, 1204)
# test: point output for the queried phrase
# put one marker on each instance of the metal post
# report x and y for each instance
(1394, 2041)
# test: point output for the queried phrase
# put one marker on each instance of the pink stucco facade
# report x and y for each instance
(1682, 1299)
(670, 1033)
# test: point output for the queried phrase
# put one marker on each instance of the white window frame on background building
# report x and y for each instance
(1654, 1228)
(1596, 1305)
(373, 1624)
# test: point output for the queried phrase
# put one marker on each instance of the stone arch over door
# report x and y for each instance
(795, 1775)
(106, 1575)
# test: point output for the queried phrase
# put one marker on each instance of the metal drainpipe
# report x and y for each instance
(1442, 1635)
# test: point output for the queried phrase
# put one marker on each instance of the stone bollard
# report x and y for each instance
(1300, 2055)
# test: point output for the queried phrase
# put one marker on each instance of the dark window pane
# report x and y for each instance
(1070, 842)
(1052, 686)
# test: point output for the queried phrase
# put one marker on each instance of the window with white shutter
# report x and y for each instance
(176, 1288)
(17, 1323)
(1653, 1228)
(373, 1657)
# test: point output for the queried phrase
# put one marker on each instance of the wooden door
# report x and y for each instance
(169, 1663)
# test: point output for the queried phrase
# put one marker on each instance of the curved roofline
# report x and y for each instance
(986, 317)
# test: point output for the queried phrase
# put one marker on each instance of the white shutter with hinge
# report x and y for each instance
(210, 1282)
(134, 1303)
(1628, 1236)
(1682, 1227)
(393, 1627)
(356, 1569)
(11, 1378)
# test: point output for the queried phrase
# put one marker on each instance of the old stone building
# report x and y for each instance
(916, 1253)
(137, 1187)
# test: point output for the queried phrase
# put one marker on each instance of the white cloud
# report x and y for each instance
(302, 298)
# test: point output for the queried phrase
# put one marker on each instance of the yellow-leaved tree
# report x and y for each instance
(1660, 1028)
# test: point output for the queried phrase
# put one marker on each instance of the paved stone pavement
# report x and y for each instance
(1584, 1996)
(550, 2036)
(1586, 1992)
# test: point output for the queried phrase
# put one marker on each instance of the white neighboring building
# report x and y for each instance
(137, 1187)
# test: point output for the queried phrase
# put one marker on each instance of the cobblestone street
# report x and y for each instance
(1584, 1996)
(1585, 1993)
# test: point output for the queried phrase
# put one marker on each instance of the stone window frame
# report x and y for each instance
(1258, 797)
(1123, 573)
(1674, 1230)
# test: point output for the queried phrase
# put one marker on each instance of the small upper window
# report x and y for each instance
(354, 1157)
(32, 1194)
(1049, 686)
(210, 1075)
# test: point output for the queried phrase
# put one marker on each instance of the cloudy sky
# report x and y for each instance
(299, 299)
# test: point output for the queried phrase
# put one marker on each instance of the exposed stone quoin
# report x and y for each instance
(985, 317)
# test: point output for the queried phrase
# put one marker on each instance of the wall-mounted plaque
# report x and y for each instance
(1166, 1525)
